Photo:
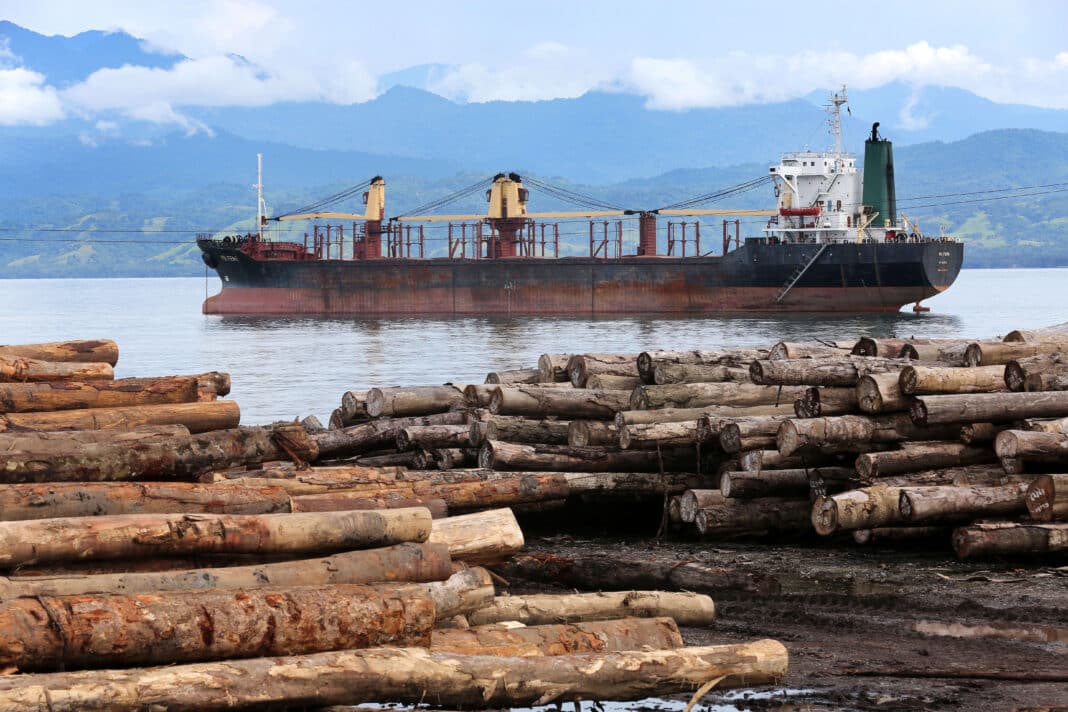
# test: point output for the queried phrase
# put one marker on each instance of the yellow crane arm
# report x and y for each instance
(578, 214)
(718, 212)
(460, 218)
(321, 216)
(437, 218)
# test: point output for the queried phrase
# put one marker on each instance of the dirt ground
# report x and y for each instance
(876, 627)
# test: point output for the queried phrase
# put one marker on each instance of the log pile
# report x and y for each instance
(156, 554)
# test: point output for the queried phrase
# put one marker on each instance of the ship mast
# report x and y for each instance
(261, 207)
(834, 118)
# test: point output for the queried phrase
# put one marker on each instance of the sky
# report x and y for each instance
(678, 55)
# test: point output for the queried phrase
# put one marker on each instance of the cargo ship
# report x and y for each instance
(835, 242)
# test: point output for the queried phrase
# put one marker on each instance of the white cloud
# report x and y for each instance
(26, 99)
(160, 112)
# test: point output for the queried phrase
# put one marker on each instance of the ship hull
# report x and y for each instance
(847, 277)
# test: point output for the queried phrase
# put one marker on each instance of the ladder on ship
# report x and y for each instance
(798, 274)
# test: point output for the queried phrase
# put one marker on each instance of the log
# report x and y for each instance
(46, 442)
(496, 455)
(918, 456)
(133, 535)
(483, 538)
(914, 349)
(688, 609)
(694, 500)
(949, 504)
(1017, 371)
(506, 640)
(841, 372)
(516, 429)
(668, 373)
(400, 675)
(646, 436)
(703, 395)
(989, 353)
(581, 366)
(865, 508)
(736, 358)
(631, 483)
(744, 434)
(952, 354)
(608, 382)
(736, 516)
(354, 408)
(87, 499)
(1046, 333)
(816, 401)
(348, 501)
(72, 395)
(1049, 381)
(399, 402)
(587, 433)
(880, 394)
(376, 435)
(200, 417)
(1047, 498)
(1008, 539)
(403, 562)
(466, 591)
(777, 483)
(433, 436)
(934, 380)
(807, 434)
(519, 375)
(566, 403)
(48, 633)
(86, 351)
(759, 460)
(897, 535)
(159, 457)
(810, 349)
(968, 475)
(453, 458)
(1031, 446)
(18, 369)
(1058, 425)
(979, 433)
(988, 407)
(552, 368)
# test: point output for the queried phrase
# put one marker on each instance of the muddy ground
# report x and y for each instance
(867, 627)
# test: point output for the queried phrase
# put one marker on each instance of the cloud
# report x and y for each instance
(160, 112)
(26, 99)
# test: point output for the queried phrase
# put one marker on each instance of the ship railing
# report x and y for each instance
(677, 238)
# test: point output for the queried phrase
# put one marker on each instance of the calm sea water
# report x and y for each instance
(291, 367)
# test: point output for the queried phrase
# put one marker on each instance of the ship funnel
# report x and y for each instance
(879, 191)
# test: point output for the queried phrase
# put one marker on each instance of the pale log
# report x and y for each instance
(632, 483)
(675, 415)
(1056, 425)
(934, 380)
(482, 538)
(134, 535)
(46, 633)
(572, 403)
(816, 401)
(87, 499)
(668, 373)
(754, 515)
(810, 349)
(517, 429)
(988, 407)
(399, 675)
(46, 442)
(18, 369)
(694, 500)
(348, 501)
(581, 366)
(842, 372)
(953, 503)
(865, 508)
(916, 456)
(951, 354)
(71, 395)
(702, 395)
(880, 393)
(777, 483)
(1047, 498)
(507, 640)
(86, 351)
(735, 358)
(414, 400)
(1031, 446)
(745, 434)
(587, 433)
(608, 382)
(376, 435)
(989, 353)
(519, 375)
(433, 436)
(1017, 371)
(1055, 332)
(806, 434)
(200, 417)
(498, 455)
(646, 436)
(688, 609)
(552, 368)
(1008, 539)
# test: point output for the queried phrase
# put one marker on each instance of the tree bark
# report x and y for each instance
(134, 535)
(676, 415)
(841, 372)
(759, 460)
(744, 434)
(816, 401)
(18, 369)
(806, 434)
(1008, 539)
(703, 395)
(505, 640)
(865, 508)
(1018, 370)
(517, 429)
(453, 458)
(777, 483)
(650, 436)
(979, 433)
(914, 349)
(631, 483)
(519, 375)
(880, 393)
(668, 373)
(482, 538)
(1057, 425)
(552, 368)
(399, 675)
(988, 407)
(47, 633)
(498, 455)
(608, 382)
(581, 366)
(736, 358)
(738, 516)
(567, 403)
(45, 442)
(687, 609)
(403, 562)
(1055, 332)
(589, 433)
(87, 499)
(810, 349)
(896, 535)
(918, 456)
(349, 501)
(87, 351)
(1047, 498)
(694, 500)
(412, 401)
(933, 380)
(1048, 381)
(71, 395)
(433, 436)
(952, 503)
(1032, 446)
(200, 417)
(376, 435)
(989, 353)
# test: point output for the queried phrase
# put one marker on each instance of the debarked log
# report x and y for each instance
(517, 429)
(865, 508)
(1047, 498)
(47, 632)
(1009, 539)
(552, 368)
(988, 353)
(415, 400)
(816, 401)
(810, 349)
(433, 436)
(481, 538)
(136, 535)
(691, 609)
(400, 675)
(84, 351)
(648, 360)
(807, 434)
(650, 436)
(632, 483)
(1031, 446)
(347, 501)
(18, 369)
(676, 415)
(73, 395)
(199, 417)
(934, 380)
(511, 640)
(880, 393)
(518, 375)
(566, 403)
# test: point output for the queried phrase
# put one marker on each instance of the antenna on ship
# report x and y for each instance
(261, 207)
(834, 111)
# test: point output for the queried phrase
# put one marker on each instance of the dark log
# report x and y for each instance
(759, 460)
(703, 395)
(988, 407)
(953, 504)
(376, 435)
(897, 535)
(1018, 370)
(1048, 381)
(1008, 539)
(816, 401)
(745, 434)
(608, 382)
(455, 458)
(1047, 498)
(1021, 446)
(806, 434)
(778, 483)
(520, 375)
(676, 415)
(1057, 425)
(632, 483)
(736, 358)
(433, 436)
(199, 417)
(587, 433)
(842, 372)
(668, 373)
(508, 456)
(516, 429)
(810, 349)
(87, 351)
(694, 500)
(916, 456)
(567, 403)
(742, 516)
(581, 366)
(552, 368)
(979, 433)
